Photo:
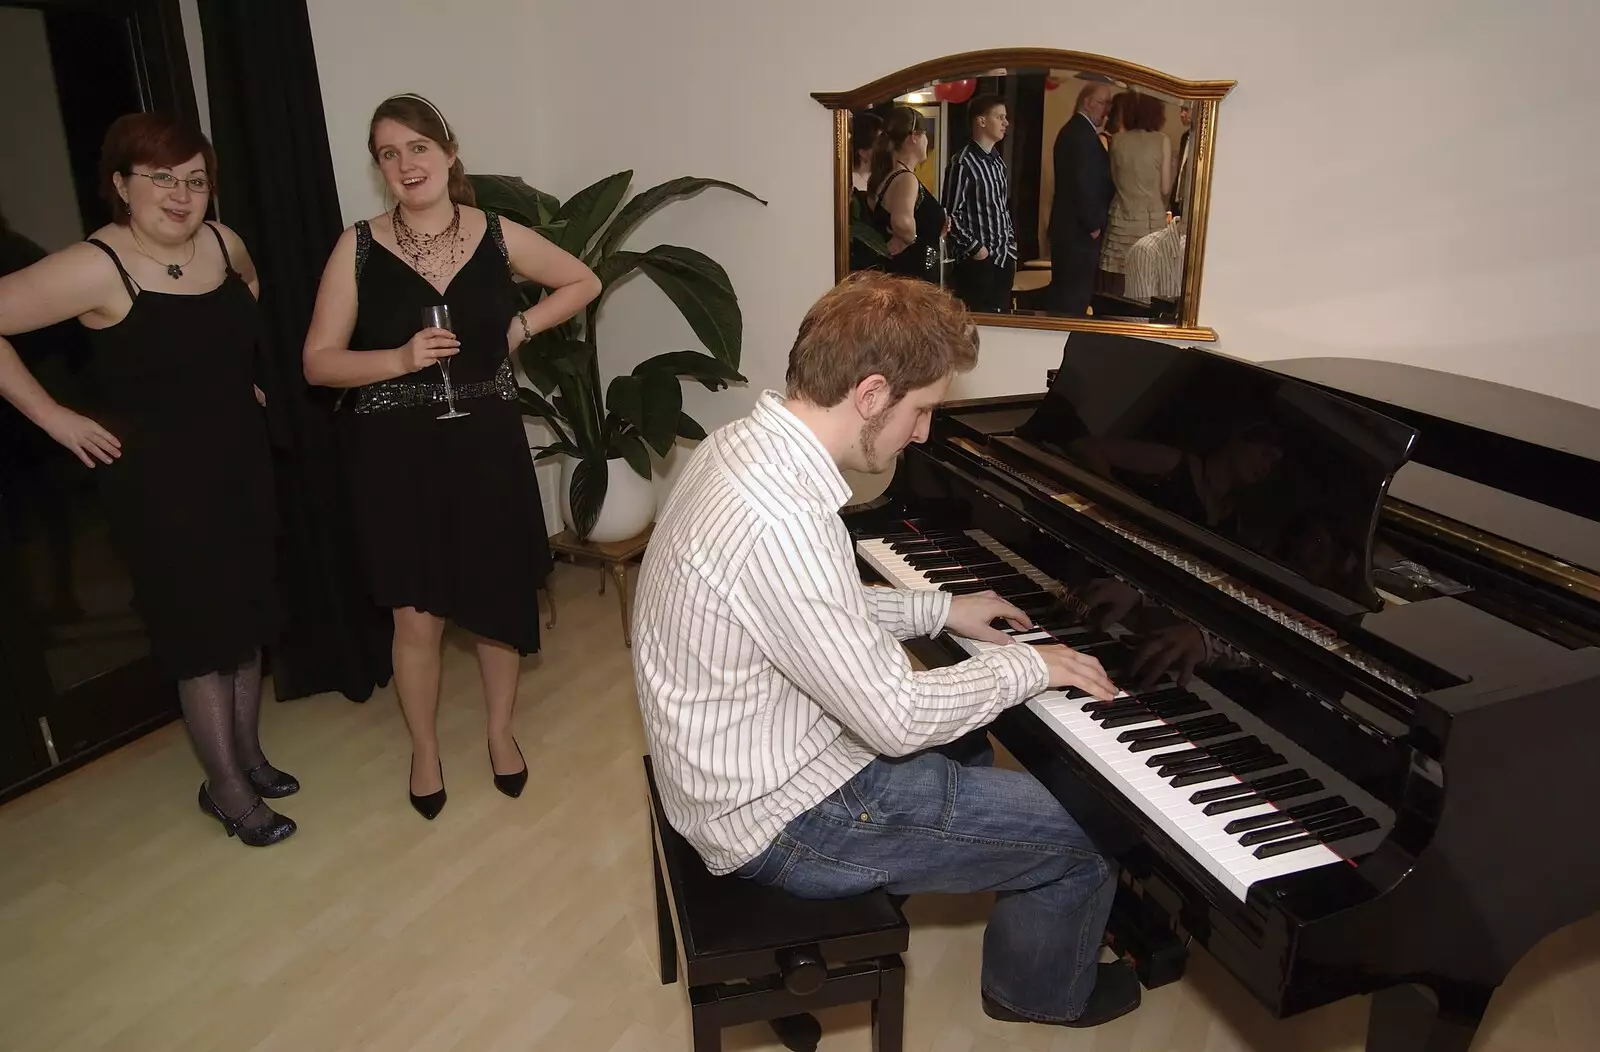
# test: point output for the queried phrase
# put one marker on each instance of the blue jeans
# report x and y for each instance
(928, 823)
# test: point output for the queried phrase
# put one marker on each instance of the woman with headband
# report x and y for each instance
(447, 506)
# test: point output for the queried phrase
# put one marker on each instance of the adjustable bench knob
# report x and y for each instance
(803, 969)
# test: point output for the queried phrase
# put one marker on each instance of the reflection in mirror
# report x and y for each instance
(1046, 195)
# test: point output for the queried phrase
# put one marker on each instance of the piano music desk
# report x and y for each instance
(613, 557)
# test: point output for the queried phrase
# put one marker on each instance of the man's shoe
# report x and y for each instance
(1116, 993)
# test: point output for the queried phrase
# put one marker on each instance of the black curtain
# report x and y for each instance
(276, 189)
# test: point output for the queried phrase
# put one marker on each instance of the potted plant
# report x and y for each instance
(607, 435)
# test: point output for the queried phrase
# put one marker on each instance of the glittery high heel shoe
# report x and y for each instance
(271, 782)
(279, 828)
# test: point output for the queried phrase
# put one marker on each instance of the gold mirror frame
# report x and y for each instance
(1205, 94)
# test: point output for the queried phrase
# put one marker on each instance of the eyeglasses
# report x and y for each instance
(167, 181)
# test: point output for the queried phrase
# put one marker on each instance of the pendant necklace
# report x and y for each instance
(174, 270)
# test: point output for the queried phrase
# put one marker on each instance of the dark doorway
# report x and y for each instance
(76, 677)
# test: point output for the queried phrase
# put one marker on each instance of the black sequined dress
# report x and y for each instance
(448, 512)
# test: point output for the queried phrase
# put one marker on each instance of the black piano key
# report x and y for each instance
(1130, 719)
(1283, 847)
(1260, 763)
(1289, 792)
(1278, 832)
(1316, 807)
(1187, 728)
(1207, 733)
(1245, 825)
(1242, 797)
(1349, 829)
(1119, 707)
(983, 585)
(1237, 801)
(1182, 756)
(1199, 777)
(1156, 741)
(941, 575)
(963, 587)
(1222, 792)
(1332, 819)
(1277, 781)
(1077, 636)
(1208, 762)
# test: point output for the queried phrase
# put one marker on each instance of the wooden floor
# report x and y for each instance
(129, 922)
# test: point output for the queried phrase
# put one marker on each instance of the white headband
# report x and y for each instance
(431, 106)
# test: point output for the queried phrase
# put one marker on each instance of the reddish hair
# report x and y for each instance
(424, 118)
(1145, 113)
(911, 332)
(152, 139)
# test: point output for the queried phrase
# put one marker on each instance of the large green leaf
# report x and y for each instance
(535, 404)
(589, 209)
(689, 428)
(512, 197)
(651, 403)
(703, 294)
(691, 365)
(642, 204)
(588, 493)
(635, 452)
(696, 284)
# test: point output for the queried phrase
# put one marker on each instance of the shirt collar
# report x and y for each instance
(770, 413)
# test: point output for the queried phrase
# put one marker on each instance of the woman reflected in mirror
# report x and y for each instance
(900, 207)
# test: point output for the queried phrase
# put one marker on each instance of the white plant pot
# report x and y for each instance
(629, 507)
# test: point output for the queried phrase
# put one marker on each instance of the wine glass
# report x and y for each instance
(438, 317)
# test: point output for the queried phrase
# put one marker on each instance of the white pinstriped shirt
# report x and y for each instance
(767, 673)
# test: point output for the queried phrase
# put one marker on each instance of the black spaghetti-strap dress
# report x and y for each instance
(921, 258)
(448, 512)
(190, 501)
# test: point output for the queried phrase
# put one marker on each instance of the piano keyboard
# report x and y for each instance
(1242, 800)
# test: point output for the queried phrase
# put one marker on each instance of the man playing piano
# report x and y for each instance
(793, 742)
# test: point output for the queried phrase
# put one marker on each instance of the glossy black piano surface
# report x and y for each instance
(1365, 772)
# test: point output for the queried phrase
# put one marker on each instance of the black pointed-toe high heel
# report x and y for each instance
(428, 806)
(274, 786)
(511, 784)
(279, 828)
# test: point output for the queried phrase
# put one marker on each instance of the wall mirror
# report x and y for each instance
(1091, 177)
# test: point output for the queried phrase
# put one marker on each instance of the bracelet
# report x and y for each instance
(527, 333)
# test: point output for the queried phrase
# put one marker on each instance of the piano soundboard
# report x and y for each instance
(1233, 794)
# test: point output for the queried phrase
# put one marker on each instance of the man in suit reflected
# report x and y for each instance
(1078, 213)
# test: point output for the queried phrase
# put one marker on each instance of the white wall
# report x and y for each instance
(36, 189)
(1409, 182)
(477, 60)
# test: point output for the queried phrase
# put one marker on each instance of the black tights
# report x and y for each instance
(222, 711)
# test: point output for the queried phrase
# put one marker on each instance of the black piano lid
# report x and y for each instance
(1518, 464)
(1302, 471)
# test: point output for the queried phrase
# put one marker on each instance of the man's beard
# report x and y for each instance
(869, 440)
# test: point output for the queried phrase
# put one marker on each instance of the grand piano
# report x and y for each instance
(1354, 612)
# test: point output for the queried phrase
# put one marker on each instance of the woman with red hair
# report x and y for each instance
(176, 433)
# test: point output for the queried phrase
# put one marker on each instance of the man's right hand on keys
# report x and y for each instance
(1068, 668)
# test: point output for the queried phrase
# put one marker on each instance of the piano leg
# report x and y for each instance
(1410, 1018)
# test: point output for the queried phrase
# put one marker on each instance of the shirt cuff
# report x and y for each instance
(1019, 668)
(929, 609)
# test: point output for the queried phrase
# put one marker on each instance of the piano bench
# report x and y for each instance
(749, 953)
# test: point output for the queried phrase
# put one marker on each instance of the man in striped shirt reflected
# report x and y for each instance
(978, 201)
(793, 742)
